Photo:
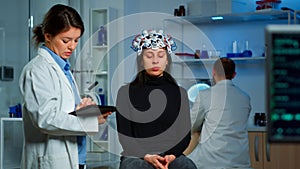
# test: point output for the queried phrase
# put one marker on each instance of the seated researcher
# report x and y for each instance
(153, 119)
(220, 115)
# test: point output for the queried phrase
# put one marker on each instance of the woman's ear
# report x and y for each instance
(47, 37)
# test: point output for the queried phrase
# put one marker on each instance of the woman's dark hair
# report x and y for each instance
(142, 78)
(225, 66)
(58, 19)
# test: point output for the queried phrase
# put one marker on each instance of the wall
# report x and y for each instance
(14, 15)
(15, 49)
(166, 6)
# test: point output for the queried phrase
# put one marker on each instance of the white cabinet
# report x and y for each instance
(103, 56)
(11, 142)
(101, 48)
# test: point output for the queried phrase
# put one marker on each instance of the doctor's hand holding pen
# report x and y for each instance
(87, 101)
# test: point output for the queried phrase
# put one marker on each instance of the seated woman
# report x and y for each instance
(153, 119)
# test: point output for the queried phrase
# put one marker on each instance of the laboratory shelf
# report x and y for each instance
(264, 15)
(214, 59)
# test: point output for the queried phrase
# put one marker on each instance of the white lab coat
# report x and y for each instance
(224, 110)
(50, 132)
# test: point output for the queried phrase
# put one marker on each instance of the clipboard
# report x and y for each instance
(93, 110)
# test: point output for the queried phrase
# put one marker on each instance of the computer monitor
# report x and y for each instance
(283, 82)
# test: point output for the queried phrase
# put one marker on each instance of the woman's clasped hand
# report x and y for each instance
(158, 161)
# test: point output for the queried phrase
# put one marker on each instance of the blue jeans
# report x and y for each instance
(181, 162)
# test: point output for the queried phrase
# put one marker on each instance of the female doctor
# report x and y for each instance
(50, 94)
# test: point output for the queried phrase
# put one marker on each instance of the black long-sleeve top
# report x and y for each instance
(153, 118)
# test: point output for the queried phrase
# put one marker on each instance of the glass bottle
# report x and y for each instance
(181, 10)
(204, 53)
(102, 36)
(102, 96)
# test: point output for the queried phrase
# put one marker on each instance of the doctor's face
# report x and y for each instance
(63, 44)
(154, 61)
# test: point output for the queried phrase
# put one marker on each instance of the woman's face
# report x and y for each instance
(63, 44)
(154, 61)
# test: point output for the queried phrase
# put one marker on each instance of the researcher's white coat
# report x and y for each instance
(50, 132)
(224, 110)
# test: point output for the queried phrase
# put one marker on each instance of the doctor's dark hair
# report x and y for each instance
(225, 67)
(60, 18)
